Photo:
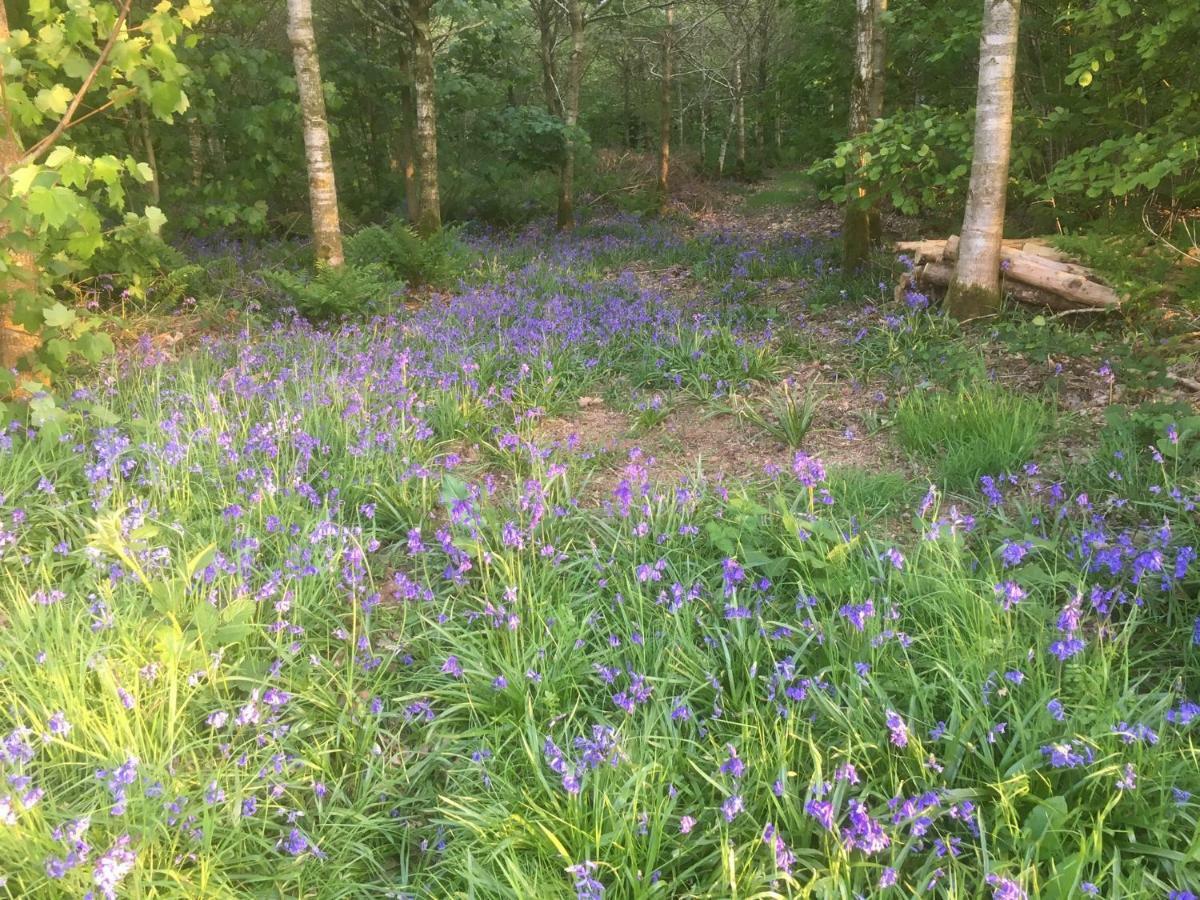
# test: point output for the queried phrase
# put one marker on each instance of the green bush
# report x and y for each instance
(136, 264)
(438, 260)
(336, 292)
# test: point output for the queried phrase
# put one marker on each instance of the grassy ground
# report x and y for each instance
(663, 560)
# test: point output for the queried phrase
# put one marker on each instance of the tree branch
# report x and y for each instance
(42, 146)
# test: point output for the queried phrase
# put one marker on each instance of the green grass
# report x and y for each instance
(784, 189)
(978, 430)
(354, 549)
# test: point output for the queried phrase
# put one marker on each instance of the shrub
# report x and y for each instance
(336, 292)
(136, 264)
(438, 260)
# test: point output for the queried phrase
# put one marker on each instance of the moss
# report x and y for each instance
(969, 301)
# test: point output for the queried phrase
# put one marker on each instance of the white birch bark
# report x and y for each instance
(322, 191)
(975, 290)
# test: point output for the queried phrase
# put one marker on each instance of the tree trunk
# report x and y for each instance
(856, 228)
(429, 215)
(975, 290)
(545, 13)
(739, 108)
(22, 274)
(703, 134)
(875, 100)
(566, 182)
(725, 139)
(322, 191)
(151, 160)
(406, 133)
(778, 121)
(408, 166)
(664, 138)
(761, 103)
(196, 152)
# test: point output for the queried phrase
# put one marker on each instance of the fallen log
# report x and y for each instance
(1032, 272)
(940, 274)
(950, 253)
(922, 251)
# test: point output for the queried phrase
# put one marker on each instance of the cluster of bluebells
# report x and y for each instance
(356, 549)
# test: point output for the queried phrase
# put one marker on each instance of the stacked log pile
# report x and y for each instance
(1031, 270)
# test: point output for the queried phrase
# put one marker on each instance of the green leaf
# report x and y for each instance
(56, 205)
(166, 98)
(58, 316)
(22, 179)
(200, 560)
(94, 346)
(56, 351)
(53, 100)
(106, 168)
(155, 218)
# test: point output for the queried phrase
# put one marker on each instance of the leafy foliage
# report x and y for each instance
(53, 203)
(335, 292)
(438, 260)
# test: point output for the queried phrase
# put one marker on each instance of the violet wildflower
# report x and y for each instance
(733, 765)
(732, 574)
(1009, 593)
(897, 728)
(785, 859)
(732, 806)
(112, 867)
(1069, 755)
(863, 832)
(587, 886)
(808, 469)
(1005, 889)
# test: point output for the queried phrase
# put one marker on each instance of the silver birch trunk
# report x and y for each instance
(322, 191)
(975, 290)
(725, 139)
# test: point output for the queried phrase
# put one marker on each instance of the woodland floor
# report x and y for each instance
(662, 559)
